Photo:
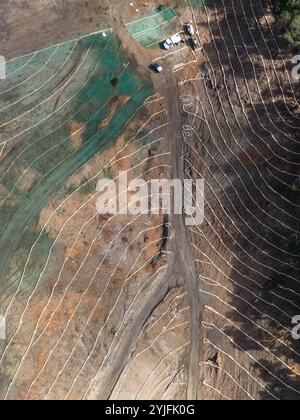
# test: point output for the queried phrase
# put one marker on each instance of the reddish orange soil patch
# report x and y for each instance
(76, 131)
(112, 105)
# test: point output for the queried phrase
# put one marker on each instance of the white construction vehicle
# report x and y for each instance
(173, 40)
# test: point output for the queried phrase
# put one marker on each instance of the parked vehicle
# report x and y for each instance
(173, 40)
(193, 43)
(157, 68)
(190, 29)
(168, 44)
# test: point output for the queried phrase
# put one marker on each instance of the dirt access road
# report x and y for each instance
(183, 261)
(182, 270)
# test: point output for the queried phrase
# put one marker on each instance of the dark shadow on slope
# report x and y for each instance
(265, 274)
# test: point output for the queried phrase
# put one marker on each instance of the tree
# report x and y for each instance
(287, 13)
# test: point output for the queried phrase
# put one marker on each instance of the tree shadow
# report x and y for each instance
(265, 275)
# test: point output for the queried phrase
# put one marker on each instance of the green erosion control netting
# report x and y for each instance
(150, 30)
(88, 81)
(18, 64)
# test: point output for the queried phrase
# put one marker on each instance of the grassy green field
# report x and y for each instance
(152, 29)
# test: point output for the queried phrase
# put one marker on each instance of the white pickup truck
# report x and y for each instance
(173, 40)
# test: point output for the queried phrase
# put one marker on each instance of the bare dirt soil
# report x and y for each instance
(145, 307)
